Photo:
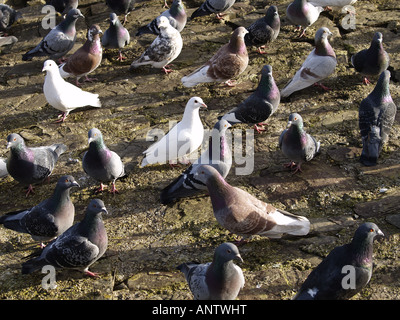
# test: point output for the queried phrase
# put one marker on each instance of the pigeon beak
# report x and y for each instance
(8, 145)
(104, 210)
(380, 233)
(289, 124)
(75, 184)
(238, 257)
(203, 105)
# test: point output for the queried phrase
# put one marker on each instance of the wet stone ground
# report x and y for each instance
(148, 240)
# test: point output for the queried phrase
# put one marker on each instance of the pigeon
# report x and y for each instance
(243, 214)
(3, 168)
(101, 163)
(319, 64)
(63, 95)
(303, 14)
(31, 165)
(59, 41)
(260, 105)
(345, 271)
(78, 247)
(176, 16)
(86, 59)
(8, 16)
(116, 36)
(121, 7)
(376, 116)
(220, 279)
(49, 218)
(63, 6)
(213, 6)
(264, 30)
(372, 61)
(332, 3)
(5, 41)
(184, 138)
(218, 154)
(228, 62)
(163, 50)
(297, 144)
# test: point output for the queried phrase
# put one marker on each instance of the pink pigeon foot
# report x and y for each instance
(30, 190)
(317, 84)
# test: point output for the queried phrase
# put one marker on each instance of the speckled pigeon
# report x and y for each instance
(319, 64)
(49, 218)
(64, 96)
(121, 7)
(213, 6)
(116, 36)
(3, 168)
(78, 247)
(218, 154)
(228, 62)
(345, 271)
(372, 61)
(63, 6)
(260, 105)
(176, 16)
(297, 144)
(86, 59)
(8, 16)
(31, 165)
(183, 139)
(163, 50)
(264, 30)
(59, 41)
(243, 214)
(100, 163)
(376, 115)
(220, 279)
(303, 14)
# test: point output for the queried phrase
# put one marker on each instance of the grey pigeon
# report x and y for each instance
(218, 154)
(3, 168)
(376, 115)
(243, 214)
(121, 7)
(8, 16)
(213, 6)
(303, 14)
(228, 62)
(78, 247)
(264, 30)
(49, 218)
(163, 50)
(31, 165)
(4, 41)
(297, 144)
(116, 36)
(372, 61)
(86, 59)
(220, 279)
(59, 41)
(63, 6)
(176, 16)
(345, 271)
(319, 64)
(100, 163)
(260, 105)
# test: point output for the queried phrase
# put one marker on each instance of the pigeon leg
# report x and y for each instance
(259, 127)
(366, 81)
(100, 189)
(260, 51)
(90, 79)
(120, 57)
(298, 169)
(219, 16)
(77, 83)
(230, 83)
(30, 190)
(91, 274)
(290, 164)
(167, 68)
(317, 84)
(166, 4)
(114, 189)
(239, 242)
(63, 116)
(303, 33)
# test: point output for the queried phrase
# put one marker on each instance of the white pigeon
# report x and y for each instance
(333, 3)
(63, 95)
(3, 168)
(184, 138)
(319, 64)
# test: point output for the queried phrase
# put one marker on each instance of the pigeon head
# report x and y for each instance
(295, 120)
(272, 13)
(227, 252)
(74, 14)
(236, 43)
(222, 125)
(205, 172)
(49, 65)
(163, 22)
(322, 34)
(366, 233)
(95, 207)
(196, 102)
(14, 140)
(94, 134)
(66, 182)
(113, 18)
(93, 31)
(378, 38)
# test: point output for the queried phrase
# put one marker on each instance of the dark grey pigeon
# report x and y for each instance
(220, 279)
(372, 61)
(49, 218)
(59, 41)
(176, 16)
(260, 105)
(121, 7)
(100, 163)
(376, 116)
(303, 14)
(31, 165)
(8, 16)
(218, 155)
(63, 6)
(213, 6)
(264, 30)
(243, 214)
(297, 144)
(78, 247)
(327, 281)
(116, 36)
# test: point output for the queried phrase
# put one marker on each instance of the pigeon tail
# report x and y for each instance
(288, 223)
(59, 148)
(63, 73)
(176, 190)
(11, 220)
(33, 265)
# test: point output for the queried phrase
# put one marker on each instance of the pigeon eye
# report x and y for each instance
(228, 251)
(66, 180)
(15, 139)
(195, 101)
(371, 230)
(295, 118)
